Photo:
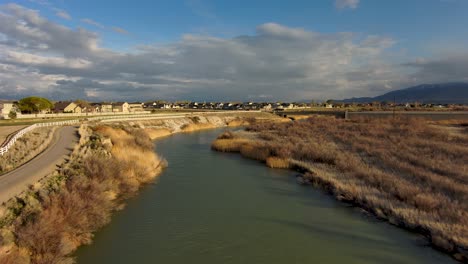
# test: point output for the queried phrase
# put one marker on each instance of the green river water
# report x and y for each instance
(214, 208)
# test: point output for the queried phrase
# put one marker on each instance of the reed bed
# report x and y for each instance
(411, 173)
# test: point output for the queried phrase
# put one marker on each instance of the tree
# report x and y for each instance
(34, 104)
(12, 114)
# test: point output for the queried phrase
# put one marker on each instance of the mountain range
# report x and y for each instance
(442, 93)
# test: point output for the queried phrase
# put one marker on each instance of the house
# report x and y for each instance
(95, 108)
(135, 107)
(328, 105)
(266, 107)
(194, 105)
(106, 107)
(67, 107)
(162, 105)
(6, 107)
(121, 107)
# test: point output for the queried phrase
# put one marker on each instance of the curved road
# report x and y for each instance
(16, 181)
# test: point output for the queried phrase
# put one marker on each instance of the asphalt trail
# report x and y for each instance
(16, 181)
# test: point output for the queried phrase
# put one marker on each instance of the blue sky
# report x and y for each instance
(406, 40)
(413, 22)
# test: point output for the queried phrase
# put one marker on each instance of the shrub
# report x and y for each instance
(12, 114)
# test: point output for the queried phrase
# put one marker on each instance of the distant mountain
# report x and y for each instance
(444, 93)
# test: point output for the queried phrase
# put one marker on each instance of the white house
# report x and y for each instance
(6, 107)
(135, 107)
(120, 107)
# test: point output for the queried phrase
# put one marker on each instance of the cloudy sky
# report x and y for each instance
(228, 50)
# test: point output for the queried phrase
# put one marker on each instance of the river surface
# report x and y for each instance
(215, 208)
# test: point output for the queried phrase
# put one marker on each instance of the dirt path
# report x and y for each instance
(16, 181)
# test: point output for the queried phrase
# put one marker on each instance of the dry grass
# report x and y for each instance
(26, 148)
(155, 133)
(5, 131)
(238, 122)
(411, 173)
(47, 224)
(191, 127)
(278, 163)
(228, 145)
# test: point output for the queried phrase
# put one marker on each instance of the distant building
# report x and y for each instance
(95, 108)
(135, 107)
(121, 107)
(67, 107)
(6, 107)
(106, 107)
(266, 107)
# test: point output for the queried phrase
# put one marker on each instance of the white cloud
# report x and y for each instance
(120, 30)
(276, 63)
(63, 14)
(25, 28)
(342, 4)
(41, 2)
(92, 23)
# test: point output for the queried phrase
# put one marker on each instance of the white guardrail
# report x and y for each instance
(8, 144)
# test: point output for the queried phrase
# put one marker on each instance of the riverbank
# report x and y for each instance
(48, 222)
(157, 128)
(409, 173)
(187, 217)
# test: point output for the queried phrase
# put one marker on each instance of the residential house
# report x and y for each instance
(266, 107)
(67, 107)
(95, 108)
(121, 107)
(193, 105)
(106, 108)
(6, 107)
(135, 107)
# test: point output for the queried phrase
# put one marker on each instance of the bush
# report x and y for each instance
(12, 114)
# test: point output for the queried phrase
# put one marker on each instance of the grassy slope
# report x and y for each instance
(47, 223)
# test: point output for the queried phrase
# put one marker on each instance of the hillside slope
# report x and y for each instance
(445, 93)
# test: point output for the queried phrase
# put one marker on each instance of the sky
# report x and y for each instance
(228, 50)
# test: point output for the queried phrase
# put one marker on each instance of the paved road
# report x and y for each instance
(14, 182)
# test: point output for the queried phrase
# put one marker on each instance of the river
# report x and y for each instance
(212, 208)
